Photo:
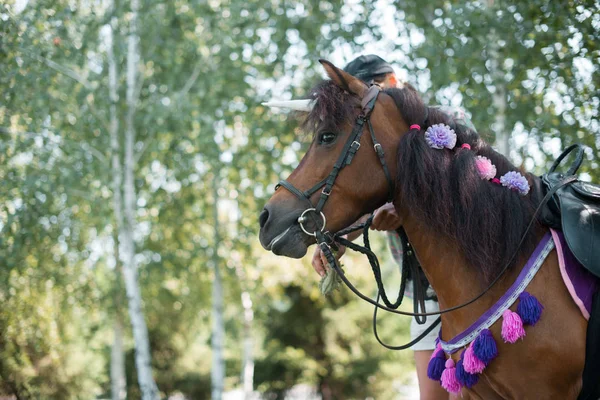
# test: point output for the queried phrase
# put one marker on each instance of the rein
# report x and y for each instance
(333, 261)
(325, 240)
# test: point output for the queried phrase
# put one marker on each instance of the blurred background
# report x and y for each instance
(135, 157)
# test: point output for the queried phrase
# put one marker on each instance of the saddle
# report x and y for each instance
(574, 208)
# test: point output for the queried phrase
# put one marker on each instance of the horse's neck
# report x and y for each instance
(453, 280)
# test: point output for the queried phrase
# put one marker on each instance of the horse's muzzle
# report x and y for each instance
(280, 231)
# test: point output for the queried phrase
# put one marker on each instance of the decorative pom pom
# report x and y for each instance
(486, 169)
(449, 381)
(484, 347)
(466, 146)
(512, 327)
(529, 308)
(439, 136)
(471, 363)
(436, 364)
(515, 181)
(463, 377)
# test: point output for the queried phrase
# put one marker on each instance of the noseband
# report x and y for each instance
(346, 156)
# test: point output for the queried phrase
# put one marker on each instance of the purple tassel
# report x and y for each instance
(485, 347)
(463, 377)
(436, 365)
(529, 309)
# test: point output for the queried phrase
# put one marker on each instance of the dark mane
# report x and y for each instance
(443, 189)
(333, 107)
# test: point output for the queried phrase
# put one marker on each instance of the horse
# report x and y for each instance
(464, 229)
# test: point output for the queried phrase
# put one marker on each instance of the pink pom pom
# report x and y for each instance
(486, 169)
(438, 350)
(449, 381)
(512, 327)
(472, 364)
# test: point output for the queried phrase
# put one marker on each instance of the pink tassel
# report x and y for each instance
(512, 327)
(472, 364)
(449, 381)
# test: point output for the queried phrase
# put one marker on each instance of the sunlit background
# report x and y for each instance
(135, 157)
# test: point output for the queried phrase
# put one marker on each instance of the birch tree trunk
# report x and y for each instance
(217, 373)
(248, 343)
(117, 358)
(140, 331)
(118, 383)
(499, 96)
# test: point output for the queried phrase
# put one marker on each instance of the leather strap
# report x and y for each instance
(381, 154)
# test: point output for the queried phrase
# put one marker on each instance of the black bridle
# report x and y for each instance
(347, 155)
(325, 240)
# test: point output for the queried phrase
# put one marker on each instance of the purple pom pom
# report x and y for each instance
(439, 136)
(515, 181)
(436, 365)
(529, 308)
(462, 376)
(485, 347)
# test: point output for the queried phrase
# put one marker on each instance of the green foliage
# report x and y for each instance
(547, 56)
(206, 68)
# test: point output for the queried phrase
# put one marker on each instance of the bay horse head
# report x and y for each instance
(345, 116)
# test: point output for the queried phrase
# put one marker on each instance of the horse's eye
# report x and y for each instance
(326, 137)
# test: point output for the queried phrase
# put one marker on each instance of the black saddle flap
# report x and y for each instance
(580, 218)
(575, 207)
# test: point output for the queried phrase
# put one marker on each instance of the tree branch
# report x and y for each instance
(84, 146)
(61, 69)
(190, 82)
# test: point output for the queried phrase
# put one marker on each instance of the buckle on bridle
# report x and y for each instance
(326, 193)
(302, 219)
(357, 145)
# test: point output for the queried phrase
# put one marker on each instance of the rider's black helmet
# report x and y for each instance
(369, 67)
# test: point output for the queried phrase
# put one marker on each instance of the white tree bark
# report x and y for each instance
(117, 357)
(247, 375)
(140, 330)
(118, 384)
(499, 96)
(247, 355)
(217, 373)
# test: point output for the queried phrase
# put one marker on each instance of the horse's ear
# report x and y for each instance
(344, 79)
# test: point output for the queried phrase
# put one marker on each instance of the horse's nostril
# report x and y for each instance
(263, 217)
